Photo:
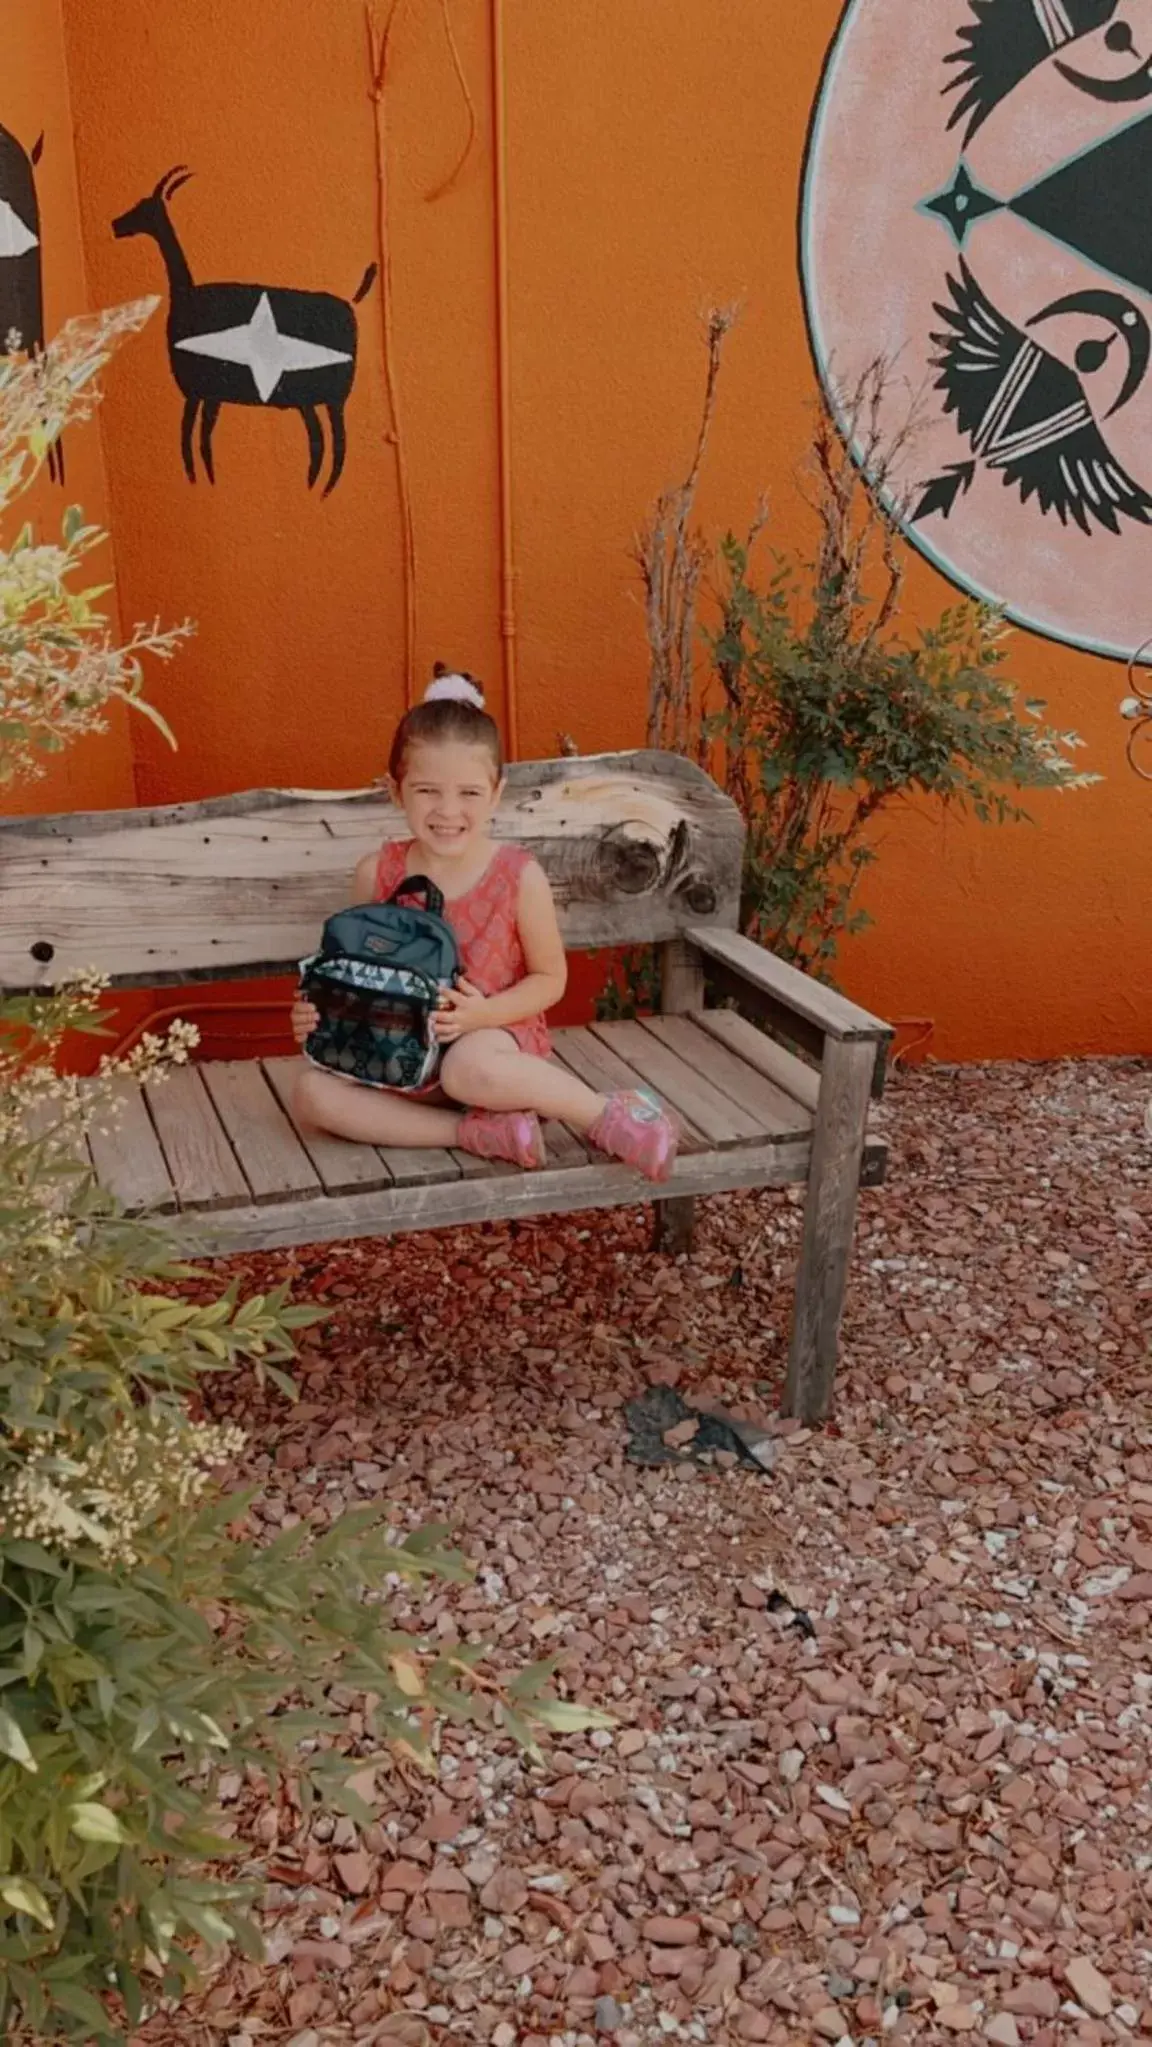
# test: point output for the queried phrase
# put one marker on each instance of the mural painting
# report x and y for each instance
(998, 263)
(21, 279)
(250, 344)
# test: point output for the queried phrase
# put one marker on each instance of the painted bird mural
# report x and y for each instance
(250, 344)
(1006, 39)
(21, 278)
(1025, 413)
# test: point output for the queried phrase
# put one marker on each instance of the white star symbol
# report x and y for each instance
(261, 346)
(15, 238)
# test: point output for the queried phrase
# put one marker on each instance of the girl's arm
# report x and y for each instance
(542, 986)
(364, 879)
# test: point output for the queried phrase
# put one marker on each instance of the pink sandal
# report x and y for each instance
(514, 1135)
(635, 1129)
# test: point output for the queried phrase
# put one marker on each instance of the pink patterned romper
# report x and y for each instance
(487, 930)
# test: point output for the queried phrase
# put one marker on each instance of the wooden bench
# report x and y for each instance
(641, 849)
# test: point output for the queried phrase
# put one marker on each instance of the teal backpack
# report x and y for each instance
(377, 981)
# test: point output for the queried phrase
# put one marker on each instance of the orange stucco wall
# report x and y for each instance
(35, 100)
(654, 157)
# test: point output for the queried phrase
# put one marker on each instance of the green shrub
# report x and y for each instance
(147, 1641)
(816, 710)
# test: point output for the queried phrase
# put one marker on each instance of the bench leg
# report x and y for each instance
(681, 989)
(829, 1220)
(674, 1225)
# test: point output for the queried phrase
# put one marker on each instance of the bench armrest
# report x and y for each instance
(792, 1000)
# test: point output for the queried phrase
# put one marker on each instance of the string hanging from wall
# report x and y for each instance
(380, 43)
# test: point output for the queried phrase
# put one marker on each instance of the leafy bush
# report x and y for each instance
(829, 714)
(817, 712)
(146, 1639)
(59, 666)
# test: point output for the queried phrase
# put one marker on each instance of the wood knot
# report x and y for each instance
(699, 895)
(634, 867)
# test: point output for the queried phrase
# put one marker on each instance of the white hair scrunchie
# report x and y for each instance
(455, 689)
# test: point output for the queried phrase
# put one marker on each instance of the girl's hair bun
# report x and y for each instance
(449, 687)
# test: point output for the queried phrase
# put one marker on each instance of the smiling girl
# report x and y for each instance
(497, 1078)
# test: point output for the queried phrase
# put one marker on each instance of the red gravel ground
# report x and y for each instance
(932, 1820)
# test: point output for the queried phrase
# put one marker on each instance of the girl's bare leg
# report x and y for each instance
(487, 1070)
(369, 1115)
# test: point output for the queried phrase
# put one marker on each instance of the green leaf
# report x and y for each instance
(71, 1997)
(22, 1895)
(14, 1743)
(528, 1683)
(132, 1991)
(565, 1716)
(31, 1556)
(209, 1924)
(94, 1822)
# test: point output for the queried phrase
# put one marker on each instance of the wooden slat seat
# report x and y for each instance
(220, 1142)
(768, 1073)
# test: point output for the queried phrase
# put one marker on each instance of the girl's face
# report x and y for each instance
(449, 793)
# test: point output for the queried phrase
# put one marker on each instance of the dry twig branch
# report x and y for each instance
(672, 557)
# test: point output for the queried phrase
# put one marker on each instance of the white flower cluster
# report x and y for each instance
(104, 1498)
(147, 1060)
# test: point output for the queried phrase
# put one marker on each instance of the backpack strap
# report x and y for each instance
(419, 885)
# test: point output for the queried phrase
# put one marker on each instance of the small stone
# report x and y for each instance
(682, 1433)
(723, 1978)
(828, 1795)
(448, 1908)
(957, 2018)
(1088, 1986)
(504, 1893)
(631, 1742)
(790, 1763)
(1003, 2030)
(1034, 1997)
(672, 1932)
(608, 2015)
(354, 1872)
(504, 2035)
(944, 1571)
(829, 2024)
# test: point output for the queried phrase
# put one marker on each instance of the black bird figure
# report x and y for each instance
(1004, 41)
(21, 279)
(1026, 414)
(250, 344)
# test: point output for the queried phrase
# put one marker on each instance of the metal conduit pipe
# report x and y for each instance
(503, 384)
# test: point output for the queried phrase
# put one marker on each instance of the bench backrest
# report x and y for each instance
(637, 846)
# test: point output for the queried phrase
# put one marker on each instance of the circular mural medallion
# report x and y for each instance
(977, 216)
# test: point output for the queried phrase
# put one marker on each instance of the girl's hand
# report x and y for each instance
(305, 1018)
(463, 1009)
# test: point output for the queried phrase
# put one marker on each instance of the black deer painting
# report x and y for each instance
(21, 282)
(250, 344)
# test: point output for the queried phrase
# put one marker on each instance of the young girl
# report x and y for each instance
(496, 1078)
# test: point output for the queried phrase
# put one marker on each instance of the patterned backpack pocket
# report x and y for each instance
(377, 981)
